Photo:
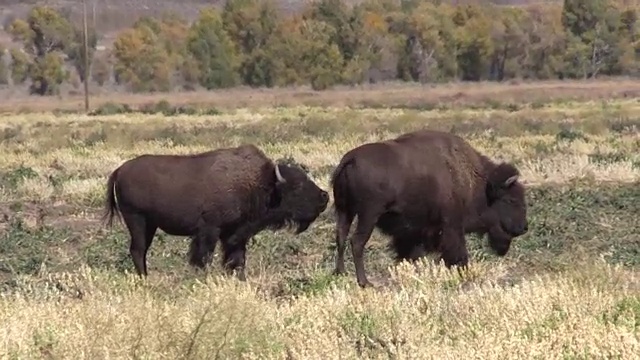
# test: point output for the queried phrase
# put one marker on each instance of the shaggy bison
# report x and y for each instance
(226, 194)
(425, 189)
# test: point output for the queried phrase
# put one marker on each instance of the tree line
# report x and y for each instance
(250, 42)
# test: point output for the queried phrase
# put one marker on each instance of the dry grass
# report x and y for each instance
(426, 313)
(82, 150)
(65, 291)
(384, 95)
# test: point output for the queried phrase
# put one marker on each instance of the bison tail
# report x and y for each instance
(111, 207)
(340, 185)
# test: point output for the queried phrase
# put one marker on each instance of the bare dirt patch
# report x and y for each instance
(61, 215)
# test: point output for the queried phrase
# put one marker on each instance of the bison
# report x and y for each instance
(426, 189)
(227, 194)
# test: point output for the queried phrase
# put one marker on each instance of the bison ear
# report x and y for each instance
(511, 180)
(279, 176)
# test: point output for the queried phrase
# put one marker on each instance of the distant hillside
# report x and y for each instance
(110, 15)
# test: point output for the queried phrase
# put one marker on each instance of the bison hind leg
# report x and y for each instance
(344, 219)
(141, 232)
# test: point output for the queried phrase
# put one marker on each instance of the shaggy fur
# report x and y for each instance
(226, 194)
(425, 189)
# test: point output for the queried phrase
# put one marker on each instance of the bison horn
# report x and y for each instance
(279, 175)
(510, 181)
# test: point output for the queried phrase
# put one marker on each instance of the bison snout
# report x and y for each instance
(524, 229)
(502, 250)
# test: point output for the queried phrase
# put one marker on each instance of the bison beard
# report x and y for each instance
(426, 190)
(226, 194)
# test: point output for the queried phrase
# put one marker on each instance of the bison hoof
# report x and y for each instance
(366, 284)
(458, 261)
(339, 272)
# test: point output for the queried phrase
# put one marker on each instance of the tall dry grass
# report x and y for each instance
(556, 296)
(591, 312)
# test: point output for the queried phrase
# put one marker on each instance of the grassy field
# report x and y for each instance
(569, 289)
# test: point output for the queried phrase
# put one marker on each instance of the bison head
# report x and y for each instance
(508, 208)
(301, 200)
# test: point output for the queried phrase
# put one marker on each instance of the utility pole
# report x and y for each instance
(86, 56)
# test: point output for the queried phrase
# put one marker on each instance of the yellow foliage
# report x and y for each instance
(141, 60)
(374, 22)
(128, 45)
(21, 31)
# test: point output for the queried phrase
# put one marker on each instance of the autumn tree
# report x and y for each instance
(301, 52)
(628, 61)
(75, 51)
(250, 25)
(510, 42)
(347, 27)
(19, 66)
(4, 69)
(473, 42)
(47, 73)
(546, 43)
(212, 51)
(46, 36)
(430, 46)
(593, 26)
(334, 42)
(101, 70)
(374, 54)
(149, 56)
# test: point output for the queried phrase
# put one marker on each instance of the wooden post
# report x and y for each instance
(86, 56)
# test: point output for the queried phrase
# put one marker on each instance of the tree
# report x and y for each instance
(19, 66)
(547, 43)
(593, 26)
(47, 73)
(474, 43)
(101, 70)
(4, 69)
(250, 25)
(75, 50)
(45, 36)
(628, 61)
(429, 52)
(213, 52)
(510, 44)
(302, 52)
(141, 61)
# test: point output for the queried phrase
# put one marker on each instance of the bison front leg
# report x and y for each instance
(203, 244)
(234, 248)
(234, 258)
(417, 252)
(453, 246)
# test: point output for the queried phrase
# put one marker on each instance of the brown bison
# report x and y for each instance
(225, 194)
(425, 189)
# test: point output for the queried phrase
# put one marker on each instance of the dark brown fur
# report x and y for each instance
(226, 194)
(425, 189)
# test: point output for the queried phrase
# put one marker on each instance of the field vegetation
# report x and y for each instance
(568, 289)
